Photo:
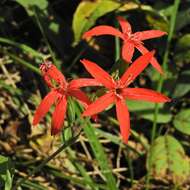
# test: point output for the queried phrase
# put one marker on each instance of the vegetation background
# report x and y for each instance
(92, 155)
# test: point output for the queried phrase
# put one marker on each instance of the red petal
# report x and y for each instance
(124, 119)
(148, 34)
(127, 51)
(144, 95)
(48, 81)
(98, 73)
(102, 30)
(83, 82)
(125, 26)
(153, 61)
(59, 115)
(136, 68)
(81, 96)
(44, 106)
(100, 104)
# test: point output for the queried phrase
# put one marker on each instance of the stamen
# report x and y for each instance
(129, 80)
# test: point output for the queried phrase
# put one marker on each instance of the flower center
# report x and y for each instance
(118, 90)
(127, 36)
(62, 89)
(45, 66)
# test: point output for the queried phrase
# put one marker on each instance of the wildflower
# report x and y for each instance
(118, 91)
(60, 90)
(130, 40)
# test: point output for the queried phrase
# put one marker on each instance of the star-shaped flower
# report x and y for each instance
(60, 90)
(118, 91)
(130, 40)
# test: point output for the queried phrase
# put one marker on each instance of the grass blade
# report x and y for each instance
(26, 49)
(24, 63)
(98, 151)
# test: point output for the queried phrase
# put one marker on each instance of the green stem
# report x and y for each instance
(75, 60)
(117, 45)
(117, 49)
(22, 62)
(37, 17)
(26, 49)
(161, 79)
(44, 162)
(165, 66)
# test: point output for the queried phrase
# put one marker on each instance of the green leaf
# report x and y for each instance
(98, 151)
(182, 86)
(145, 110)
(157, 22)
(86, 177)
(100, 155)
(6, 172)
(71, 111)
(28, 5)
(33, 185)
(183, 43)
(167, 160)
(87, 13)
(182, 50)
(182, 121)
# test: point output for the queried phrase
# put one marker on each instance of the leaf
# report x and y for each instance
(71, 111)
(131, 6)
(98, 151)
(87, 13)
(183, 43)
(156, 18)
(182, 86)
(33, 185)
(146, 111)
(182, 121)
(86, 177)
(167, 160)
(6, 172)
(157, 22)
(100, 155)
(28, 5)
(182, 52)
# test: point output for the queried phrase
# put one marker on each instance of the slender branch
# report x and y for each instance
(165, 66)
(161, 79)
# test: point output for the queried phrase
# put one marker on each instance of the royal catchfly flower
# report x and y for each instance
(130, 40)
(60, 90)
(118, 91)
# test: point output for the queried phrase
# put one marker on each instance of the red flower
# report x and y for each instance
(58, 95)
(118, 91)
(131, 40)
